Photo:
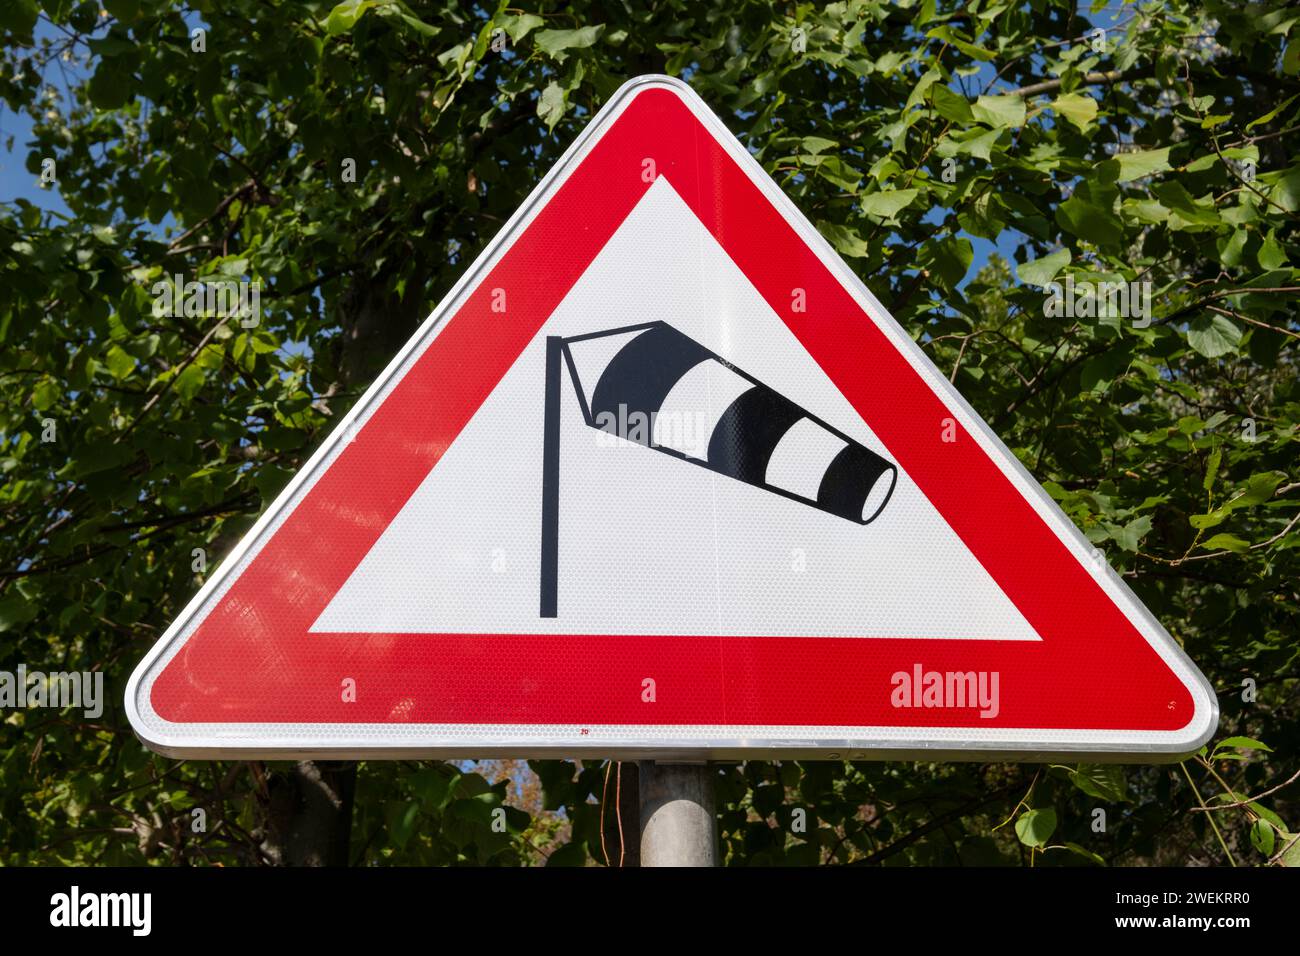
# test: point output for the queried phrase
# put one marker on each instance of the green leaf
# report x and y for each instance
(839, 173)
(1085, 853)
(1265, 813)
(1137, 165)
(978, 142)
(571, 854)
(1226, 542)
(433, 786)
(476, 809)
(221, 107)
(814, 145)
(110, 46)
(1271, 254)
(1286, 191)
(1000, 112)
(847, 242)
(264, 344)
(947, 260)
(1213, 335)
(1035, 827)
(1043, 270)
(551, 105)
(15, 610)
(19, 16)
(45, 394)
(1212, 519)
(556, 43)
(1272, 114)
(518, 26)
(1079, 109)
(118, 362)
(947, 34)
(190, 382)
(1184, 212)
(1239, 743)
(124, 10)
(1103, 781)
(1089, 221)
(1259, 488)
(1230, 248)
(950, 105)
(345, 15)
(1263, 837)
(110, 87)
(886, 205)
(402, 819)
(1130, 536)
(889, 62)
(398, 11)
(1291, 66)
(233, 267)
(1212, 466)
(1291, 855)
(921, 88)
(1215, 420)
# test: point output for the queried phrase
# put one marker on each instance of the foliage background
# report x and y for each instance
(1164, 153)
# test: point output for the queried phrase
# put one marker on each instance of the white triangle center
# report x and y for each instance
(650, 543)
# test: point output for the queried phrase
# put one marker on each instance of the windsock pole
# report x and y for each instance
(551, 478)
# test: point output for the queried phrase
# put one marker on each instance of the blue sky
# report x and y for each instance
(16, 129)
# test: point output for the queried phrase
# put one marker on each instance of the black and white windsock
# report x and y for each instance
(702, 409)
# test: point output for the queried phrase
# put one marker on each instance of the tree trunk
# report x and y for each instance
(310, 818)
(311, 813)
(376, 324)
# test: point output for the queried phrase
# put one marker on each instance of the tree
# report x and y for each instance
(354, 158)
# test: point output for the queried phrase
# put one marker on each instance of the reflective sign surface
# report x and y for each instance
(660, 477)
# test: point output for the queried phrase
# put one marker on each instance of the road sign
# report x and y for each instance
(660, 478)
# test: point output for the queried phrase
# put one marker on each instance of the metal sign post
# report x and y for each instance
(678, 822)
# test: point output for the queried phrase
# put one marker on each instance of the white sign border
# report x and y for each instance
(664, 742)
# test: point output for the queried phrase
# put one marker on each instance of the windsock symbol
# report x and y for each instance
(646, 373)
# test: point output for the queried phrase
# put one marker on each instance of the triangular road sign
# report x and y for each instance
(659, 478)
